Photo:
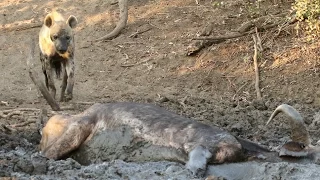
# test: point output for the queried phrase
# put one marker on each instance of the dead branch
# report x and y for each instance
(7, 128)
(19, 109)
(259, 45)
(262, 23)
(23, 124)
(198, 45)
(256, 68)
(123, 6)
(138, 63)
(39, 84)
(225, 37)
(4, 103)
(139, 32)
(84, 103)
(241, 87)
(10, 114)
(20, 27)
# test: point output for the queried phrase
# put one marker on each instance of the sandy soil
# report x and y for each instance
(216, 86)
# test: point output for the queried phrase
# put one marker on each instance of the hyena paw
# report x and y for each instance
(66, 98)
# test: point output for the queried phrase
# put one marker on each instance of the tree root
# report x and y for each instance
(123, 6)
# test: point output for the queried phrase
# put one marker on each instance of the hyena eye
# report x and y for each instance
(54, 37)
(68, 37)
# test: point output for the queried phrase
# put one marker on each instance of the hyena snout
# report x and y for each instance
(62, 44)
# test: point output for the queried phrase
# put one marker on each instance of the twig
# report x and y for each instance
(19, 109)
(84, 103)
(258, 40)
(234, 96)
(4, 103)
(228, 36)
(139, 32)
(10, 114)
(256, 68)
(138, 63)
(9, 129)
(23, 124)
(121, 72)
(244, 29)
(155, 26)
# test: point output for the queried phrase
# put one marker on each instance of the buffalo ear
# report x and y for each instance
(48, 21)
(72, 21)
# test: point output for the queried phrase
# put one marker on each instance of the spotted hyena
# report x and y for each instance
(56, 41)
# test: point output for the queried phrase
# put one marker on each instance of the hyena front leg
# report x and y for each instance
(49, 78)
(70, 73)
(44, 63)
(64, 82)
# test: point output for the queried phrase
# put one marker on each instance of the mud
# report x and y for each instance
(119, 144)
(22, 164)
(215, 87)
(127, 160)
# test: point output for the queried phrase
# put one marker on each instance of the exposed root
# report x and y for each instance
(123, 6)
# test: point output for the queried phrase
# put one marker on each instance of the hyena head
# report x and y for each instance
(61, 31)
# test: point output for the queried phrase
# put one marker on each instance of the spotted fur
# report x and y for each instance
(56, 41)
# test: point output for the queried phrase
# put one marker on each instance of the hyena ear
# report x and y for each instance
(72, 21)
(48, 20)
